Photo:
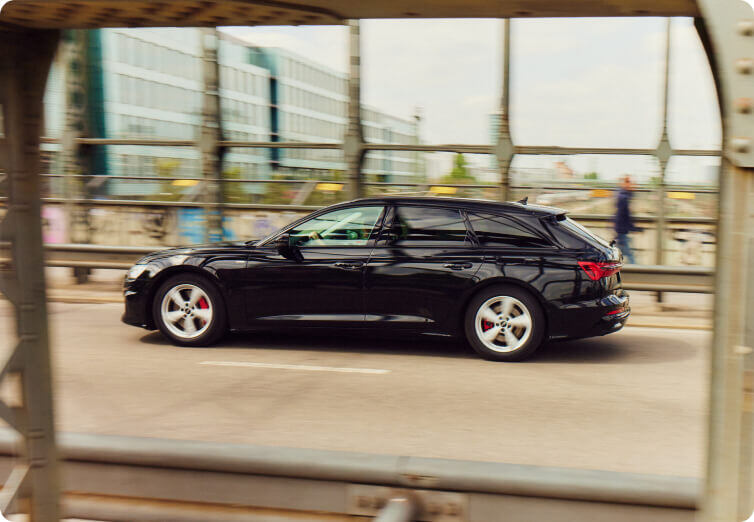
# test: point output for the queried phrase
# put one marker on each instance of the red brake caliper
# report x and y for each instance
(486, 325)
(203, 304)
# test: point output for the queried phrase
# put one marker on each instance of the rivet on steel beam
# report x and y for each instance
(744, 65)
(433, 508)
(745, 27)
(743, 105)
(740, 144)
(453, 509)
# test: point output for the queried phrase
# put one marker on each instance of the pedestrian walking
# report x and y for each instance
(623, 222)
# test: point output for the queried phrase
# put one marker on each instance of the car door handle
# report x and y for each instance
(457, 266)
(349, 265)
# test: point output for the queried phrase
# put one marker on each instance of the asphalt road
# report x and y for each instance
(633, 401)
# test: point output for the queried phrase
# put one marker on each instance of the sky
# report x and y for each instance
(574, 82)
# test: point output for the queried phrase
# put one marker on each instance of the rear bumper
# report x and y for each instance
(593, 317)
(612, 323)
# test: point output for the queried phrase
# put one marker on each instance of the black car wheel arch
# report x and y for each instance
(179, 270)
(485, 285)
(524, 299)
(216, 327)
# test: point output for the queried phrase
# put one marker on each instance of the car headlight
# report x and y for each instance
(135, 271)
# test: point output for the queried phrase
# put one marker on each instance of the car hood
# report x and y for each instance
(198, 250)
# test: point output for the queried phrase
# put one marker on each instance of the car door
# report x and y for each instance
(423, 260)
(323, 283)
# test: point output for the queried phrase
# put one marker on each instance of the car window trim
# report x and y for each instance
(389, 211)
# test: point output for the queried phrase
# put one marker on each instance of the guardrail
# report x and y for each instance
(688, 279)
(135, 479)
(635, 277)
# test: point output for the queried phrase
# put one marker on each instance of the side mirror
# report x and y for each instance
(288, 250)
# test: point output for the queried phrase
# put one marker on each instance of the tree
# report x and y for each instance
(234, 192)
(460, 174)
(592, 176)
(168, 190)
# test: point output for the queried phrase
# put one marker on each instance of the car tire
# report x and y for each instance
(189, 310)
(504, 323)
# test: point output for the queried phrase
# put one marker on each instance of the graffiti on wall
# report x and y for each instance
(53, 225)
(150, 226)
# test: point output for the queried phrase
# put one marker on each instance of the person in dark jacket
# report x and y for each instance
(623, 222)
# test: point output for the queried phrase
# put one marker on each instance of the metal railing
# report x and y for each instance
(130, 478)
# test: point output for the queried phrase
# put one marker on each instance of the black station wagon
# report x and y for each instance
(507, 276)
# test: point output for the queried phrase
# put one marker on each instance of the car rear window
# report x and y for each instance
(582, 232)
(493, 230)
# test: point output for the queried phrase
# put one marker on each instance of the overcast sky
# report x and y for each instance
(589, 82)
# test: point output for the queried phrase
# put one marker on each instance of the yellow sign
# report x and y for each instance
(599, 193)
(329, 187)
(443, 190)
(681, 195)
(185, 182)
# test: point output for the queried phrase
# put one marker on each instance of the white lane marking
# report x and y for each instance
(304, 367)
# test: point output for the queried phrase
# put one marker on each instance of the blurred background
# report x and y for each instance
(424, 82)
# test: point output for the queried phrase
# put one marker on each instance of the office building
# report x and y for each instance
(146, 83)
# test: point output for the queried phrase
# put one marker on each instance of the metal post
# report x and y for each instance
(746, 473)
(211, 134)
(726, 428)
(25, 59)
(76, 104)
(353, 143)
(504, 150)
(663, 153)
(727, 30)
(418, 171)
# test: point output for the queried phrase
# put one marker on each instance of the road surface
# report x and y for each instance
(634, 401)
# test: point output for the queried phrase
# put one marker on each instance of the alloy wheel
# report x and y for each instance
(186, 311)
(503, 324)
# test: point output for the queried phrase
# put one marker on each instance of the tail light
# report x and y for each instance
(596, 270)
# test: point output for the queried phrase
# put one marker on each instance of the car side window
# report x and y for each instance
(498, 231)
(343, 227)
(427, 227)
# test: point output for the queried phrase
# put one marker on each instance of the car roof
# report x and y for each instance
(465, 203)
